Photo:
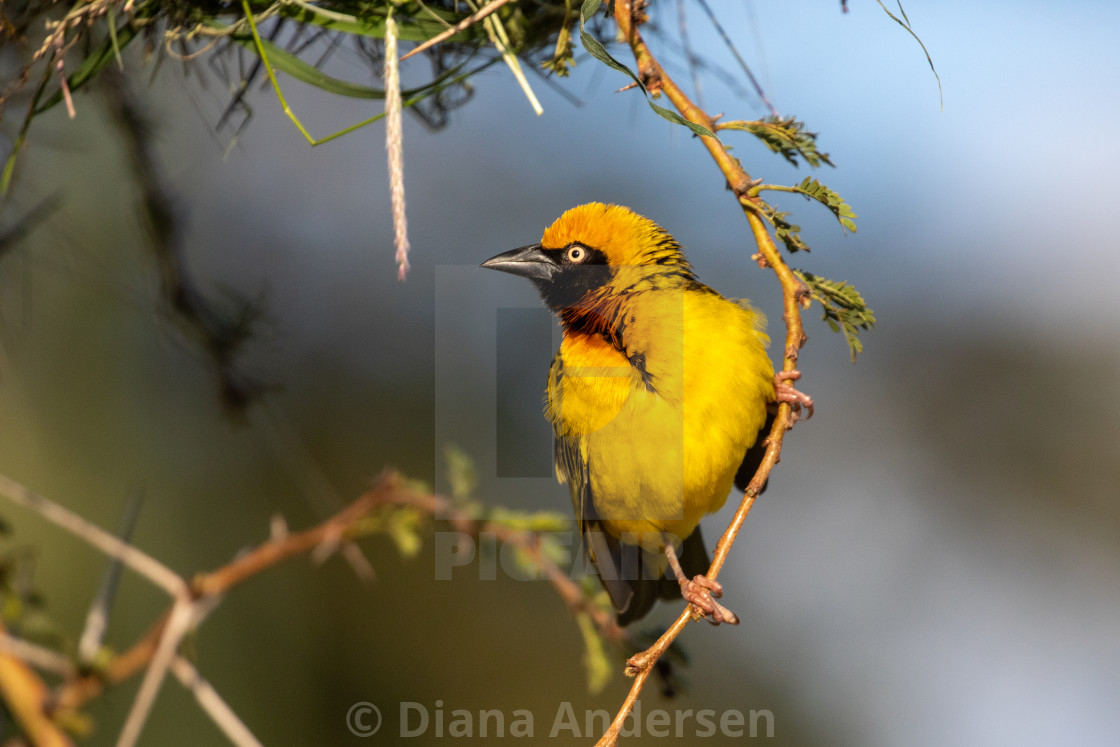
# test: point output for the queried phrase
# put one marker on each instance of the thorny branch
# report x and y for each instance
(628, 16)
(154, 652)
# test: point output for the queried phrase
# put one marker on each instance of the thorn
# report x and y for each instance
(359, 562)
(97, 619)
(277, 528)
(743, 187)
(326, 548)
(627, 87)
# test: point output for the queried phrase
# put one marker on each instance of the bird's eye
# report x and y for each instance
(576, 254)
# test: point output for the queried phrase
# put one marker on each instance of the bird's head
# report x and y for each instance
(594, 253)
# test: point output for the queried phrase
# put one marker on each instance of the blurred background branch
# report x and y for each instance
(393, 505)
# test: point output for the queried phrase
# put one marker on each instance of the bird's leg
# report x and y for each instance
(699, 592)
(786, 393)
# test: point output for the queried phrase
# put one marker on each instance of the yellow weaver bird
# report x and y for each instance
(658, 397)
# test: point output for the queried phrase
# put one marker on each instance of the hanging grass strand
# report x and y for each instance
(394, 143)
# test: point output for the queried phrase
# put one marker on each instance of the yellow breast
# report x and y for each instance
(665, 422)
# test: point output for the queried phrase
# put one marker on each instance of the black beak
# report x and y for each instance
(528, 262)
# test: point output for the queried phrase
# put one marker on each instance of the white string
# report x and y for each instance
(394, 142)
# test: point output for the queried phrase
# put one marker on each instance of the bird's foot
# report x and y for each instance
(699, 592)
(797, 400)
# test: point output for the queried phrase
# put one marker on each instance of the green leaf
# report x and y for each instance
(844, 309)
(402, 524)
(596, 49)
(562, 58)
(529, 521)
(551, 548)
(813, 189)
(784, 135)
(461, 472)
(595, 655)
(404, 529)
(286, 62)
(810, 188)
(788, 233)
(93, 64)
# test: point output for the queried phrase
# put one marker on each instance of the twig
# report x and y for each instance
(81, 690)
(24, 692)
(97, 619)
(185, 615)
(178, 624)
(222, 332)
(60, 54)
(690, 56)
(464, 24)
(641, 665)
(42, 210)
(25, 696)
(388, 490)
(500, 40)
(211, 702)
(738, 58)
(37, 656)
(137, 560)
(77, 692)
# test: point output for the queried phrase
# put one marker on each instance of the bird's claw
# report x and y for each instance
(699, 592)
(797, 401)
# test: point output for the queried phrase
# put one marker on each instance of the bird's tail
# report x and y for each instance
(635, 578)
